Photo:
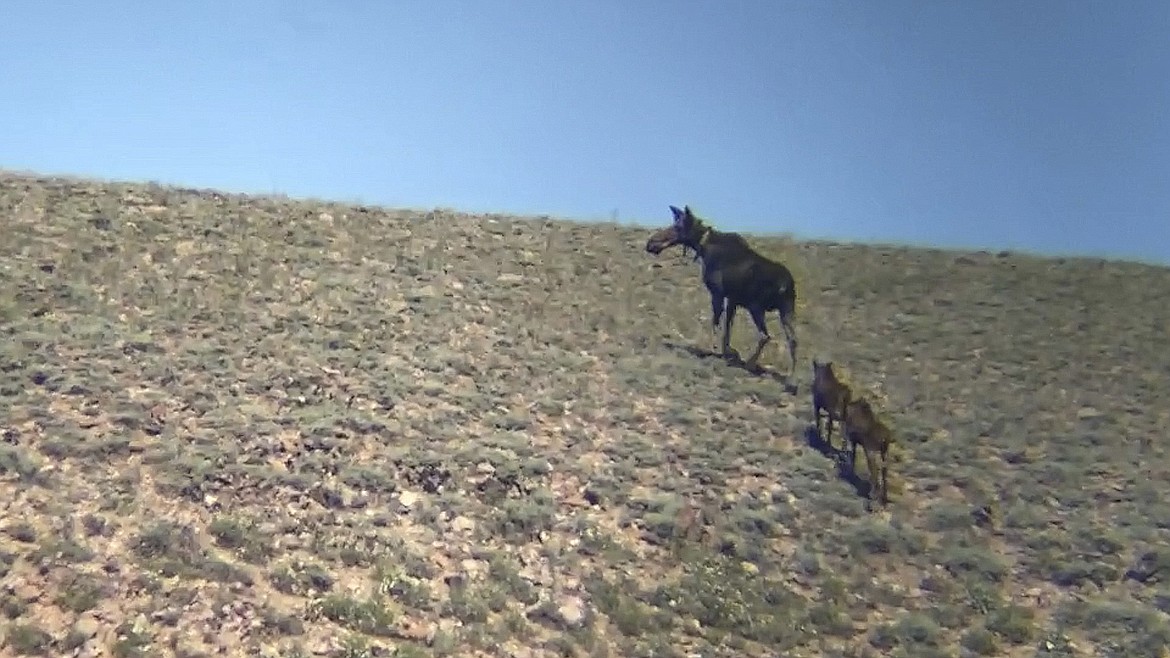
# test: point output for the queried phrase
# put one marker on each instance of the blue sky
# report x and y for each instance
(1040, 125)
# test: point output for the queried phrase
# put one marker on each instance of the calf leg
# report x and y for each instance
(885, 474)
(838, 412)
(762, 332)
(877, 488)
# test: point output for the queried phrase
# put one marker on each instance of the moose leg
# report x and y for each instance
(789, 336)
(762, 333)
(725, 347)
(717, 304)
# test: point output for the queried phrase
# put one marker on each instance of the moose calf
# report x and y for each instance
(831, 395)
(862, 426)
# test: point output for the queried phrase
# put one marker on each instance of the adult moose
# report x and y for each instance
(735, 275)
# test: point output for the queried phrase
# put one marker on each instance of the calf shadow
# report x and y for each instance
(735, 362)
(840, 457)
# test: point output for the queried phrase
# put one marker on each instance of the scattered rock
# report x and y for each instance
(430, 476)
(1150, 567)
(1087, 413)
(26, 592)
(328, 497)
(571, 610)
(475, 569)
(463, 524)
(166, 616)
(421, 294)
(518, 651)
(983, 516)
(408, 499)
(448, 627)
(87, 625)
(413, 630)
(189, 646)
(536, 573)
(509, 277)
(592, 496)
(567, 613)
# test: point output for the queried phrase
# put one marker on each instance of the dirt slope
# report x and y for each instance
(254, 426)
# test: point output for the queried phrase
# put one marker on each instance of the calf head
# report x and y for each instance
(860, 416)
(822, 370)
(823, 374)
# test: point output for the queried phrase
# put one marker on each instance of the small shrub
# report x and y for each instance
(972, 561)
(17, 461)
(524, 519)
(1015, 624)
(414, 592)
(242, 538)
(1072, 571)
(78, 593)
(868, 537)
(64, 551)
(23, 532)
(980, 641)
(371, 617)
(630, 616)
(467, 605)
(829, 619)
(1132, 628)
(948, 516)
(95, 525)
(28, 640)
(912, 629)
(281, 624)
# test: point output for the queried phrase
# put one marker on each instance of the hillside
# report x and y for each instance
(255, 425)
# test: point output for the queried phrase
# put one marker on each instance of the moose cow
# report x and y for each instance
(735, 275)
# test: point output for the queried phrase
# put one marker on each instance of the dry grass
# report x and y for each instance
(289, 428)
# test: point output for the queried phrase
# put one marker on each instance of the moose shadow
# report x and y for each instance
(842, 458)
(735, 361)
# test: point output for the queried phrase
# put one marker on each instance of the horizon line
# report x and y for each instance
(614, 219)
